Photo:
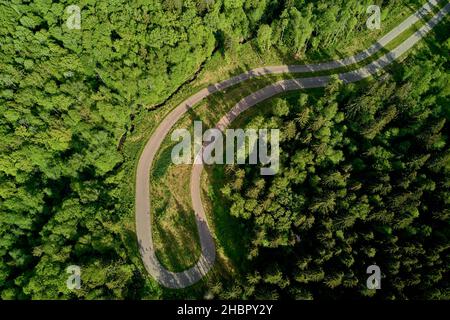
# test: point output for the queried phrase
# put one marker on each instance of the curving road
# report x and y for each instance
(190, 276)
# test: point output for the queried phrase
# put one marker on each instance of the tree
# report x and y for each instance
(264, 37)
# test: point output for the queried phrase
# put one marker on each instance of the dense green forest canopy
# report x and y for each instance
(66, 98)
(364, 180)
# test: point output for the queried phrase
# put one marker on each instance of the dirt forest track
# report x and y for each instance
(178, 280)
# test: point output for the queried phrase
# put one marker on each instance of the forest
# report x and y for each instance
(365, 180)
(364, 176)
